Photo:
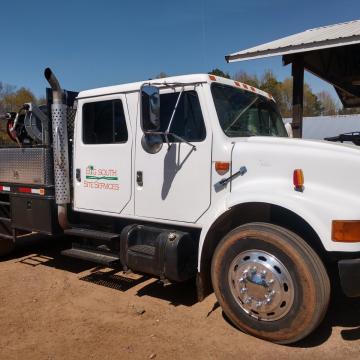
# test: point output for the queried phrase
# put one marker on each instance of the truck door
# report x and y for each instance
(102, 155)
(174, 184)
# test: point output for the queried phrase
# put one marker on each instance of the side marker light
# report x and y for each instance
(298, 180)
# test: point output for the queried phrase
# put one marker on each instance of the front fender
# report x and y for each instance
(318, 205)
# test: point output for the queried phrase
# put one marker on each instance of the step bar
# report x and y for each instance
(92, 256)
(92, 234)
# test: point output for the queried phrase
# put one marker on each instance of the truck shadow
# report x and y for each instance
(343, 312)
(35, 250)
(44, 251)
(113, 279)
(175, 293)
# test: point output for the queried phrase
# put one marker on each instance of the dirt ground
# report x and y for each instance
(53, 307)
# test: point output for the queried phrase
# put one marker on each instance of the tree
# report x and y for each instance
(349, 111)
(5, 90)
(312, 105)
(14, 100)
(285, 105)
(161, 75)
(244, 77)
(41, 100)
(328, 105)
(218, 72)
(271, 85)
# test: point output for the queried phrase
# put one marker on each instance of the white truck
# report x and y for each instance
(189, 177)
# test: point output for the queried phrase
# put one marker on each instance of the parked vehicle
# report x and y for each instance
(189, 177)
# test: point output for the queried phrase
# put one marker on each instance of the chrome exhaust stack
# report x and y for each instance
(60, 148)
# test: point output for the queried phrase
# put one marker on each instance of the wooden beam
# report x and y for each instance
(298, 95)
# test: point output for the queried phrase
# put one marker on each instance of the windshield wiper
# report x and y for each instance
(242, 133)
(243, 111)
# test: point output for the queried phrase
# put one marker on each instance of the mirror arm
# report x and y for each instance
(166, 134)
(174, 111)
(183, 140)
(167, 139)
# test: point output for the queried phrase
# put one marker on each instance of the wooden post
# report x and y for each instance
(298, 95)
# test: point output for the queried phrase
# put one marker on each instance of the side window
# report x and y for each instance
(104, 122)
(188, 121)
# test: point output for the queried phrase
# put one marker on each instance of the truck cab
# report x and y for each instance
(120, 174)
(195, 177)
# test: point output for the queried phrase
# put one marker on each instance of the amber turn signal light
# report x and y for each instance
(298, 179)
(222, 167)
(346, 231)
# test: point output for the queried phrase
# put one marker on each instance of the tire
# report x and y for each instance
(270, 283)
(6, 247)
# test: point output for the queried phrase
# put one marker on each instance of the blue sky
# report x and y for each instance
(97, 43)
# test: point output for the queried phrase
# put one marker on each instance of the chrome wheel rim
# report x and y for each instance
(261, 285)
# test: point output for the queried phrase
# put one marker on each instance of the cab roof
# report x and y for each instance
(181, 80)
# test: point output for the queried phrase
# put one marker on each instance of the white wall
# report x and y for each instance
(320, 127)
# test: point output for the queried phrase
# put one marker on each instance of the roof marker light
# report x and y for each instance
(212, 77)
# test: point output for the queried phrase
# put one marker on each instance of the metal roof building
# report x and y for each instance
(329, 52)
(314, 39)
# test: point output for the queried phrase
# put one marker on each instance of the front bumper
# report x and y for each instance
(349, 271)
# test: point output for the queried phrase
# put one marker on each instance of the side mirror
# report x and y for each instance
(152, 143)
(150, 109)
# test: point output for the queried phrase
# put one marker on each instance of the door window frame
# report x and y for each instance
(99, 98)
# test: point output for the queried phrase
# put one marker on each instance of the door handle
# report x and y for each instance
(139, 178)
(78, 175)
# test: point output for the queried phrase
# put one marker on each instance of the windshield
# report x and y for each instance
(243, 113)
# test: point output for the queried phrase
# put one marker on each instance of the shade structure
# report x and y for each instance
(329, 52)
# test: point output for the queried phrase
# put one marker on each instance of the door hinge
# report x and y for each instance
(78, 175)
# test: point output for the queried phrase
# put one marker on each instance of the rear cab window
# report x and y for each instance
(104, 122)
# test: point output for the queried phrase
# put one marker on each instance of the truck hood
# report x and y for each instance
(324, 163)
(331, 188)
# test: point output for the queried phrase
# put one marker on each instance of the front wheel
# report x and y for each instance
(270, 283)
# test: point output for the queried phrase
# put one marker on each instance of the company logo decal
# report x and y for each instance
(103, 179)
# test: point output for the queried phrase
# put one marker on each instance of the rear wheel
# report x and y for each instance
(270, 282)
